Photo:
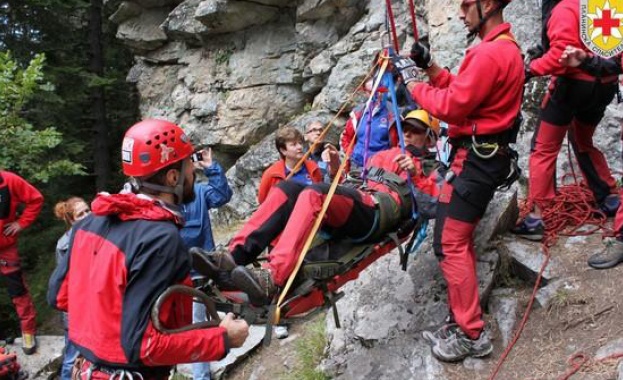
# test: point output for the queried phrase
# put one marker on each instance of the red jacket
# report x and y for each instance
(486, 92)
(385, 160)
(14, 190)
(277, 173)
(563, 28)
(120, 259)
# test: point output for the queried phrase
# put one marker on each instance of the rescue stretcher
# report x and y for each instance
(328, 266)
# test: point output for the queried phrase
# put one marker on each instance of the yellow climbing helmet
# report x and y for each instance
(425, 118)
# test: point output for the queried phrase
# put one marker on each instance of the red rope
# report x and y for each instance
(579, 360)
(392, 22)
(572, 208)
(413, 20)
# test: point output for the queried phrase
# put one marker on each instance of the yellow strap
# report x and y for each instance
(325, 206)
(508, 37)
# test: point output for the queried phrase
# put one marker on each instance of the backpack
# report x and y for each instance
(546, 13)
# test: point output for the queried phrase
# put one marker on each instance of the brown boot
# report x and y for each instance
(257, 283)
(216, 265)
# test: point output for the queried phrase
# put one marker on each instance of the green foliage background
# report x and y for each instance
(46, 132)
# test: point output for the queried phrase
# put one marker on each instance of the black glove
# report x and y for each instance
(420, 53)
(405, 67)
(535, 52)
(528, 74)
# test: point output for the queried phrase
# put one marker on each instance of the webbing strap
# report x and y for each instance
(401, 139)
(326, 129)
(321, 214)
(507, 37)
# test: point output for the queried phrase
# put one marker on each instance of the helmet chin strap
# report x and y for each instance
(483, 19)
(177, 190)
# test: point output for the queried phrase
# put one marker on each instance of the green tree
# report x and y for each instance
(26, 150)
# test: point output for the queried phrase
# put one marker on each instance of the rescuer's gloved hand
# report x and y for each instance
(420, 53)
(405, 67)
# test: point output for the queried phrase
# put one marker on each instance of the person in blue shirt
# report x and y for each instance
(378, 121)
(197, 230)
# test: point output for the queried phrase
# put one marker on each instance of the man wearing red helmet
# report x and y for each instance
(575, 103)
(127, 253)
(481, 105)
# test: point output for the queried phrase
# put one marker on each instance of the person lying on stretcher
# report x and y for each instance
(353, 213)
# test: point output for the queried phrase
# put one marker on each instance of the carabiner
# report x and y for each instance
(476, 145)
(386, 41)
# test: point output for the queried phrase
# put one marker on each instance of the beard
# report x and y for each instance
(188, 195)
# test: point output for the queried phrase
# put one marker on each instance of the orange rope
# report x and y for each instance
(326, 129)
(323, 210)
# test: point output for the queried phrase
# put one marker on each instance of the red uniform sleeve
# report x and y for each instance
(463, 93)
(269, 179)
(27, 194)
(349, 132)
(423, 183)
(442, 80)
(170, 349)
(562, 30)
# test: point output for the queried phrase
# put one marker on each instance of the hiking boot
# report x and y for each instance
(530, 228)
(29, 343)
(458, 346)
(257, 283)
(432, 337)
(610, 205)
(216, 265)
(610, 257)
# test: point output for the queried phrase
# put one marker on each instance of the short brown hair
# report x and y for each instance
(285, 135)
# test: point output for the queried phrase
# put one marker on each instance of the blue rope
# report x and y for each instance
(421, 233)
(401, 138)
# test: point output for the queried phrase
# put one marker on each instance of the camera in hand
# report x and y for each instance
(196, 157)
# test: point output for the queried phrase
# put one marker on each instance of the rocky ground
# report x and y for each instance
(584, 315)
(579, 310)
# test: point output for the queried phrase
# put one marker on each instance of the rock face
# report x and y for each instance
(232, 71)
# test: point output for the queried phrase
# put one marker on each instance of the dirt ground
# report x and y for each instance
(581, 318)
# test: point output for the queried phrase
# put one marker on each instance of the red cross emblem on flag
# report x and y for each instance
(601, 26)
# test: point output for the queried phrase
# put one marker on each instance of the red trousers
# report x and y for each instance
(292, 208)
(576, 106)
(463, 201)
(18, 291)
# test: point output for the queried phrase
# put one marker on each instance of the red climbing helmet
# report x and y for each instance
(151, 145)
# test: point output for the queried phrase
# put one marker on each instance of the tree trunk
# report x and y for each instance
(98, 111)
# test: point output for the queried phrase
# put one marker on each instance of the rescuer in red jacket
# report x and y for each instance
(575, 103)
(481, 104)
(127, 253)
(612, 254)
(16, 191)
